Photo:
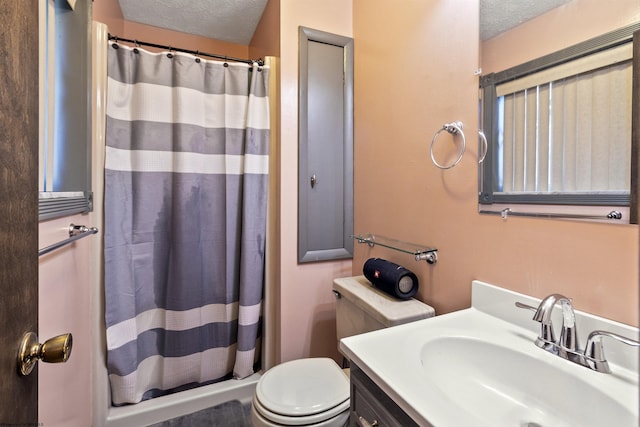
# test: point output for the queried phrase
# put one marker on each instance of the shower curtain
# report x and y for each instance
(186, 170)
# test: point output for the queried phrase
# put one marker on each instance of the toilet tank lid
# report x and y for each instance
(384, 308)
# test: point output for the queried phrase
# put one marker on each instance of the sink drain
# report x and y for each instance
(530, 424)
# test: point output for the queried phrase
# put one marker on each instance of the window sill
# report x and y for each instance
(58, 204)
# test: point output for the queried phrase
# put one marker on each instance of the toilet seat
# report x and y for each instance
(302, 392)
(337, 417)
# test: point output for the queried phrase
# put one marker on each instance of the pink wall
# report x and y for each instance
(564, 26)
(108, 12)
(68, 288)
(134, 30)
(307, 305)
(266, 39)
(401, 194)
(65, 290)
(414, 72)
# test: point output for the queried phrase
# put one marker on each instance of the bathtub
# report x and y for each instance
(182, 403)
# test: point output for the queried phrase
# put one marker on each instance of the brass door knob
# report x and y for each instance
(54, 350)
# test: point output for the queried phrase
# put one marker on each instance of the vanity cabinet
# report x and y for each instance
(370, 406)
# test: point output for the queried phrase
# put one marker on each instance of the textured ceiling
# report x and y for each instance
(497, 16)
(235, 21)
(232, 21)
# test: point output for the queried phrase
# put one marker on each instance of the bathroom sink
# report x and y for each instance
(515, 389)
(480, 367)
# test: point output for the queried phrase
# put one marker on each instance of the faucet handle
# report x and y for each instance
(526, 306)
(594, 350)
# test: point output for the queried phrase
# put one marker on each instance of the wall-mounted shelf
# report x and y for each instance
(419, 252)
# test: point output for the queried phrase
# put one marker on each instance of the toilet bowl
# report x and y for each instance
(303, 392)
(315, 391)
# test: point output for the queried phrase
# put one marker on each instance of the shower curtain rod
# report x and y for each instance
(192, 52)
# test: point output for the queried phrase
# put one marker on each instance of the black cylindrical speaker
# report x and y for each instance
(391, 278)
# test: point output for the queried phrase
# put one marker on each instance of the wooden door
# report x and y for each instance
(18, 205)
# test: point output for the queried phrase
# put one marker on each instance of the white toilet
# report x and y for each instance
(315, 391)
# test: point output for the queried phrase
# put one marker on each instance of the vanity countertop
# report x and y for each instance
(439, 370)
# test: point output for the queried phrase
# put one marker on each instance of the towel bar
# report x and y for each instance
(76, 232)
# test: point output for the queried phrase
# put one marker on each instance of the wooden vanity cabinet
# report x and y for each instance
(370, 406)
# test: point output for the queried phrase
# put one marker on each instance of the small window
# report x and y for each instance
(559, 129)
(65, 108)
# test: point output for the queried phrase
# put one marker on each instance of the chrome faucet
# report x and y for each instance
(568, 338)
(546, 339)
(567, 346)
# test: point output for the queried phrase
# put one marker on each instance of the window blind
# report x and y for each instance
(567, 129)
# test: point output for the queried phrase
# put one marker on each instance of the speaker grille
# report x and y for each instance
(405, 284)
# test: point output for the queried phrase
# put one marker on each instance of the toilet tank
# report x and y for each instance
(361, 308)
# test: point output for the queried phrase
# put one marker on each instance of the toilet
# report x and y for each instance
(315, 391)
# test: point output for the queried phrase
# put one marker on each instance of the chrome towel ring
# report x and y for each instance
(453, 128)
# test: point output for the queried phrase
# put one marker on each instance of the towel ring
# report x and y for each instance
(454, 128)
(485, 145)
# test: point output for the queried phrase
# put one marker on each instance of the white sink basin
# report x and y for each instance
(480, 367)
(520, 390)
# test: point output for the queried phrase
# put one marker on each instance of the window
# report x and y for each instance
(65, 108)
(559, 129)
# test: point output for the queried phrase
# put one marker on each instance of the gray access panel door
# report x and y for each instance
(325, 179)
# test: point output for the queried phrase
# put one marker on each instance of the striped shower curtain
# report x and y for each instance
(185, 220)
